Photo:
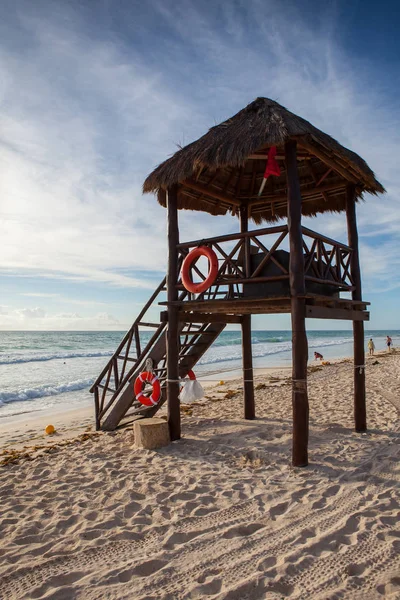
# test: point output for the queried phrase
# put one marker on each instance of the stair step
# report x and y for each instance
(194, 340)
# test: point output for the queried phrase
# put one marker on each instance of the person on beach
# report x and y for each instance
(388, 342)
(318, 356)
(371, 346)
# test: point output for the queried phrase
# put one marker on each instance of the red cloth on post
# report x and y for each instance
(272, 167)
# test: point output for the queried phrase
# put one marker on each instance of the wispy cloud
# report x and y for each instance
(37, 319)
(97, 110)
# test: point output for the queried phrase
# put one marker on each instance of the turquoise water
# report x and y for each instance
(44, 369)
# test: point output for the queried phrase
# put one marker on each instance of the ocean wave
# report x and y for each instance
(260, 350)
(237, 341)
(27, 358)
(43, 391)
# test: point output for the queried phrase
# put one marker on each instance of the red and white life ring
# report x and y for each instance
(202, 286)
(138, 389)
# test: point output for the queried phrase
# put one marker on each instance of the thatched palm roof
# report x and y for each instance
(224, 168)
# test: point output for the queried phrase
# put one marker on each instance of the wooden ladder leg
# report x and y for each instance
(297, 292)
(248, 383)
(299, 385)
(173, 407)
(360, 409)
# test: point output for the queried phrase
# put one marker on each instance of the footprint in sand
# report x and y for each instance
(242, 530)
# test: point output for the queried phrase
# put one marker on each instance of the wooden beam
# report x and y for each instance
(311, 192)
(203, 189)
(283, 205)
(297, 291)
(324, 312)
(304, 143)
(247, 360)
(174, 415)
(323, 177)
(315, 178)
(97, 408)
(230, 281)
(198, 317)
(234, 236)
(324, 238)
(339, 284)
(360, 409)
(247, 356)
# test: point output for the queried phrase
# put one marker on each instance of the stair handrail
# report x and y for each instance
(127, 335)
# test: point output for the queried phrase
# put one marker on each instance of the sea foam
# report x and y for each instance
(43, 391)
(26, 358)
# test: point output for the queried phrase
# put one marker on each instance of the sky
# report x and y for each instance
(95, 94)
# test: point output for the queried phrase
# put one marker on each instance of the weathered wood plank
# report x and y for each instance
(198, 317)
(247, 356)
(209, 191)
(174, 415)
(297, 290)
(324, 312)
(360, 409)
(233, 236)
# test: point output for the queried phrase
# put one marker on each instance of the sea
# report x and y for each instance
(53, 370)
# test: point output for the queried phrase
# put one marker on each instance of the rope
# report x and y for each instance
(149, 365)
(202, 376)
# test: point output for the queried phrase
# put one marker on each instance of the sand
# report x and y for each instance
(220, 514)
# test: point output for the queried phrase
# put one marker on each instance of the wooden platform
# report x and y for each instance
(230, 310)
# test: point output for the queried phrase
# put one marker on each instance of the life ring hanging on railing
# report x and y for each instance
(147, 376)
(202, 286)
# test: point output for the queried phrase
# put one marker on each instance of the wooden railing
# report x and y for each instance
(123, 363)
(326, 261)
(131, 354)
(233, 252)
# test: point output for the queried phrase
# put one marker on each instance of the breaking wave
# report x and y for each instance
(43, 391)
(26, 358)
(260, 349)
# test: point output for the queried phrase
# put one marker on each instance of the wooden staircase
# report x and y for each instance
(113, 389)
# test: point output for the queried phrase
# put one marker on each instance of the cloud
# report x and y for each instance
(97, 111)
(30, 313)
(40, 295)
(75, 157)
(38, 319)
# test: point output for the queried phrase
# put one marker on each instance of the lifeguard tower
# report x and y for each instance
(264, 164)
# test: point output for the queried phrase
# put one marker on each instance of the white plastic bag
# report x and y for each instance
(191, 391)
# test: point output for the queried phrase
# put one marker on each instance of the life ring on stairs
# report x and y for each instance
(202, 286)
(147, 376)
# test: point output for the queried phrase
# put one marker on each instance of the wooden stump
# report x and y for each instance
(151, 433)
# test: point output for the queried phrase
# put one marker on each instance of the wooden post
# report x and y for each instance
(247, 356)
(297, 289)
(173, 408)
(360, 411)
(97, 408)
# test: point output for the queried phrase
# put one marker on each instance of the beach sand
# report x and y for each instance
(219, 514)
